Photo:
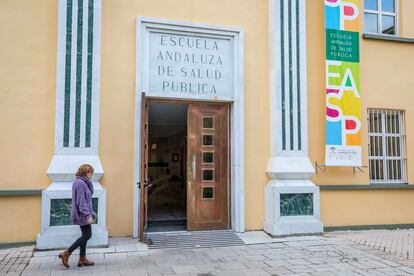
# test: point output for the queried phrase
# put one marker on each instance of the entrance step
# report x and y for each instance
(193, 239)
(166, 225)
(167, 222)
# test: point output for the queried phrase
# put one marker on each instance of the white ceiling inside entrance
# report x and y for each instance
(167, 119)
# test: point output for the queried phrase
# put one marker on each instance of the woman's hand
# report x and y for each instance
(90, 220)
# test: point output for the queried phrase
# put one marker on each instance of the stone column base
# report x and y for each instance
(60, 237)
(57, 230)
(292, 207)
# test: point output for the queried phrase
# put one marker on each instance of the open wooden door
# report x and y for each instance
(144, 181)
(207, 166)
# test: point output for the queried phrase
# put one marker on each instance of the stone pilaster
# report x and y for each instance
(291, 199)
(76, 126)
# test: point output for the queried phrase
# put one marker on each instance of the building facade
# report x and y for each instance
(202, 115)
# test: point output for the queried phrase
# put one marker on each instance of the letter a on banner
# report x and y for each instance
(343, 108)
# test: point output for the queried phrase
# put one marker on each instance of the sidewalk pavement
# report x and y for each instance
(15, 260)
(337, 253)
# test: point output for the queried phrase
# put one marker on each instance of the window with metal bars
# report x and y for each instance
(386, 146)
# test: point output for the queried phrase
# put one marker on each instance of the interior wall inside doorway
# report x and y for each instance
(167, 166)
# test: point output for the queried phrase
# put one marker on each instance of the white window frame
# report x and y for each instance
(384, 135)
(379, 14)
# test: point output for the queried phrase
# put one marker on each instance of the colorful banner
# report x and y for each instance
(343, 114)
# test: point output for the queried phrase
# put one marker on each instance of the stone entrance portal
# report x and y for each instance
(190, 62)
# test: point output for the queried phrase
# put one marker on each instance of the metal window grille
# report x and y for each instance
(386, 146)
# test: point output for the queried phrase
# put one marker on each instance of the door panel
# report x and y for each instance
(144, 181)
(207, 166)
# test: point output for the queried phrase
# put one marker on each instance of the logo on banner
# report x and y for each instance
(343, 114)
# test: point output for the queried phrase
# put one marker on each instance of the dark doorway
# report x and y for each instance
(167, 171)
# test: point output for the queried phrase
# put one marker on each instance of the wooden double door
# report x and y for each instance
(207, 166)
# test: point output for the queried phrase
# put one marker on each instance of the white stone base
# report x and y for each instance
(59, 237)
(278, 225)
(52, 237)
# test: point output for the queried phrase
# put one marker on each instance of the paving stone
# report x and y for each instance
(277, 263)
(300, 268)
(278, 270)
(184, 268)
(322, 267)
(324, 273)
(208, 268)
(316, 260)
(233, 266)
(257, 258)
(298, 262)
(253, 264)
(133, 272)
(277, 245)
(255, 272)
(406, 269)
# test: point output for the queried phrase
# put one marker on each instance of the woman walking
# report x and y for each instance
(82, 191)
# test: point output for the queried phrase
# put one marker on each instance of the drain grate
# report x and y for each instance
(193, 239)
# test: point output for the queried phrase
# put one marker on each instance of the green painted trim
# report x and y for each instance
(368, 227)
(68, 64)
(4, 193)
(89, 75)
(298, 46)
(388, 38)
(365, 187)
(78, 87)
(290, 75)
(16, 244)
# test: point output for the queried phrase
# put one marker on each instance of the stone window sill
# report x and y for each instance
(388, 38)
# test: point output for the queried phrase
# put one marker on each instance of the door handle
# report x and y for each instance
(139, 184)
(193, 165)
(147, 184)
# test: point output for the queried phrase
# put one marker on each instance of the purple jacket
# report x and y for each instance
(82, 191)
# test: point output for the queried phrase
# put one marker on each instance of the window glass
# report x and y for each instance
(207, 122)
(388, 24)
(208, 192)
(208, 175)
(387, 6)
(208, 157)
(207, 140)
(371, 4)
(370, 23)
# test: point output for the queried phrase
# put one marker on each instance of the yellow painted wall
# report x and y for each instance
(386, 82)
(118, 86)
(406, 8)
(28, 95)
(27, 91)
(28, 31)
(368, 207)
(19, 218)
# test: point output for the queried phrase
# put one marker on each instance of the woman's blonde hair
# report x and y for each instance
(84, 170)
